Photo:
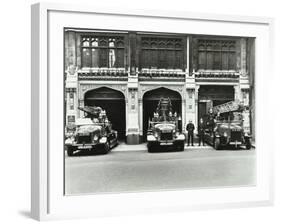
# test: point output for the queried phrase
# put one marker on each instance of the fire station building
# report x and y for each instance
(126, 73)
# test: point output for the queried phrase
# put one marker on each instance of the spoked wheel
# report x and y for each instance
(217, 144)
(149, 147)
(106, 148)
(181, 146)
(248, 144)
(69, 151)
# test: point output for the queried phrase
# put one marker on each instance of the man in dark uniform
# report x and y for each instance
(190, 130)
(211, 121)
(155, 117)
(201, 131)
(170, 116)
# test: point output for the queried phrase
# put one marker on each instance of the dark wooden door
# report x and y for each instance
(202, 110)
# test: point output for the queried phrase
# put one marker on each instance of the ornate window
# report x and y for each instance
(161, 53)
(216, 54)
(103, 51)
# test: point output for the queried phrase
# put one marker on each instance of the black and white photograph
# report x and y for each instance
(150, 111)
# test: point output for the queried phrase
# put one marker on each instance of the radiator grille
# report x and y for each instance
(84, 139)
(167, 136)
(236, 136)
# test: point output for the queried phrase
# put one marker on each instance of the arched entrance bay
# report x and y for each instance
(113, 102)
(150, 102)
(213, 95)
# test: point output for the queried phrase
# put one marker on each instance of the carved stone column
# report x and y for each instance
(70, 49)
(80, 113)
(132, 116)
(245, 97)
(183, 110)
(191, 106)
(237, 93)
(71, 89)
(187, 58)
(140, 102)
(196, 95)
(243, 57)
(246, 113)
(70, 105)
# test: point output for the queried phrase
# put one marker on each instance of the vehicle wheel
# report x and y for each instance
(248, 144)
(217, 144)
(149, 147)
(115, 144)
(69, 151)
(106, 148)
(181, 146)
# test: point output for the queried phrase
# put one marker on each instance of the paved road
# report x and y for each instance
(126, 170)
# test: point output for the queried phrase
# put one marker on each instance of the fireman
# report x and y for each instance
(211, 121)
(190, 132)
(201, 131)
(170, 117)
(155, 117)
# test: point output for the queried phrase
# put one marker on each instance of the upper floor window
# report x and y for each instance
(161, 53)
(102, 51)
(216, 54)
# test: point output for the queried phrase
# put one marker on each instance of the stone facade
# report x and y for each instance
(136, 63)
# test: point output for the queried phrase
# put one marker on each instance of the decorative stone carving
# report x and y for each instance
(177, 88)
(72, 69)
(87, 87)
(243, 57)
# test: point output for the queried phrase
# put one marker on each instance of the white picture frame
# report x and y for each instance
(48, 201)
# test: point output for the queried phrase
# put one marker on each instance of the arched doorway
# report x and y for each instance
(113, 102)
(150, 102)
(213, 95)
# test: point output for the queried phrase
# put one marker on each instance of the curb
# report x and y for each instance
(129, 149)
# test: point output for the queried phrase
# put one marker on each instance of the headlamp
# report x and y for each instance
(96, 137)
(156, 135)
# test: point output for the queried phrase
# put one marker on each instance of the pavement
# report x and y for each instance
(130, 168)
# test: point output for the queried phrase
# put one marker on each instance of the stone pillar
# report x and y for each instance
(187, 58)
(71, 96)
(141, 119)
(191, 106)
(71, 80)
(243, 57)
(188, 81)
(78, 51)
(246, 97)
(70, 105)
(237, 93)
(70, 49)
(132, 117)
(246, 113)
(196, 96)
(80, 113)
(183, 110)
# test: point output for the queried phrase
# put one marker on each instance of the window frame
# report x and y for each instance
(166, 37)
(106, 35)
(220, 50)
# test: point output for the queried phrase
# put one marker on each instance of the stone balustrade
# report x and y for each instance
(161, 74)
(103, 74)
